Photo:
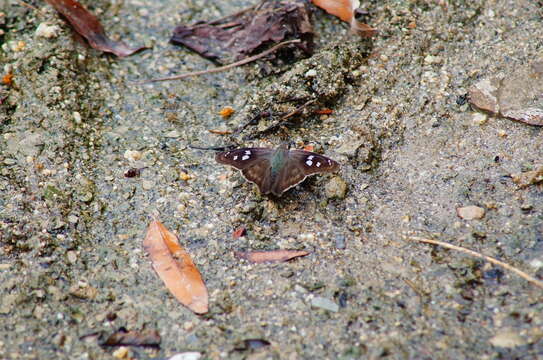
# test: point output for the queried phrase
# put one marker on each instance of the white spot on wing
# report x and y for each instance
(309, 162)
(245, 157)
(235, 157)
(310, 157)
(329, 162)
(318, 164)
(247, 152)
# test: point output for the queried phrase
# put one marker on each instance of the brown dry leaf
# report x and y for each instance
(175, 267)
(88, 26)
(259, 257)
(249, 31)
(345, 10)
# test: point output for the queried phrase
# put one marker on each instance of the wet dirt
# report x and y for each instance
(412, 151)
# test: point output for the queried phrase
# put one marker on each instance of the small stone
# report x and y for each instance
(172, 134)
(73, 219)
(191, 355)
(479, 118)
(86, 197)
(502, 133)
(77, 117)
(47, 31)
(350, 146)
(121, 353)
(430, 59)
(72, 256)
(336, 188)
(147, 185)
(471, 212)
(507, 338)
(132, 155)
(484, 95)
(311, 73)
(324, 303)
(340, 242)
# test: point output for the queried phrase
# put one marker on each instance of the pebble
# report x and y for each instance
(507, 338)
(311, 73)
(172, 134)
(73, 219)
(336, 188)
(471, 212)
(324, 303)
(121, 353)
(191, 355)
(47, 31)
(479, 118)
(132, 155)
(77, 117)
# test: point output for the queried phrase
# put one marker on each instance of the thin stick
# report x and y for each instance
(225, 67)
(30, 7)
(520, 273)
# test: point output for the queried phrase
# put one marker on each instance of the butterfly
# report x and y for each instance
(276, 170)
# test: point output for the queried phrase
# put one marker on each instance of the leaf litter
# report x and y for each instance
(249, 31)
(270, 256)
(88, 26)
(176, 268)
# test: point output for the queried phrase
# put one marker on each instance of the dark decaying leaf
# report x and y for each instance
(270, 256)
(123, 337)
(515, 96)
(248, 32)
(88, 26)
(251, 344)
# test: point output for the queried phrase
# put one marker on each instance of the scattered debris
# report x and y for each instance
(47, 31)
(121, 353)
(528, 178)
(88, 26)
(175, 267)
(248, 32)
(251, 344)
(239, 232)
(270, 256)
(346, 11)
(220, 132)
(133, 172)
(226, 112)
(516, 96)
(471, 212)
(520, 273)
(123, 337)
(324, 303)
(324, 111)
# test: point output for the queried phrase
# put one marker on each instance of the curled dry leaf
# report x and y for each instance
(88, 26)
(259, 257)
(175, 267)
(226, 112)
(345, 10)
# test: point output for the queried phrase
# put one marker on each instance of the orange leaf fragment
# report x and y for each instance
(309, 148)
(324, 111)
(344, 9)
(175, 267)
(7, 79)
(226, 112)
(259, 257)
(239, 232)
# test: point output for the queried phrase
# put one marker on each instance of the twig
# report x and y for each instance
(284, 118)
(225, 67)
(31, 7)
(520, 273)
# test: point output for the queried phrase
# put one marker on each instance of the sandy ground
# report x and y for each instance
(412, 151)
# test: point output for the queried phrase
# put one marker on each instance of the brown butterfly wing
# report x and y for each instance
(254, 164)
(312, 163)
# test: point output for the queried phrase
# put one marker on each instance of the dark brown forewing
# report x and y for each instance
(313, 163)
(243, 158)
(259, 173)
(291, 175)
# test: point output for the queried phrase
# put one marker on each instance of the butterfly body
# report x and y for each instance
(276, 170)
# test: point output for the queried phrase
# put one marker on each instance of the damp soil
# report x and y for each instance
(412, 151)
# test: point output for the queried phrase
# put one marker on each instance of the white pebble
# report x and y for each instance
(47, 31)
